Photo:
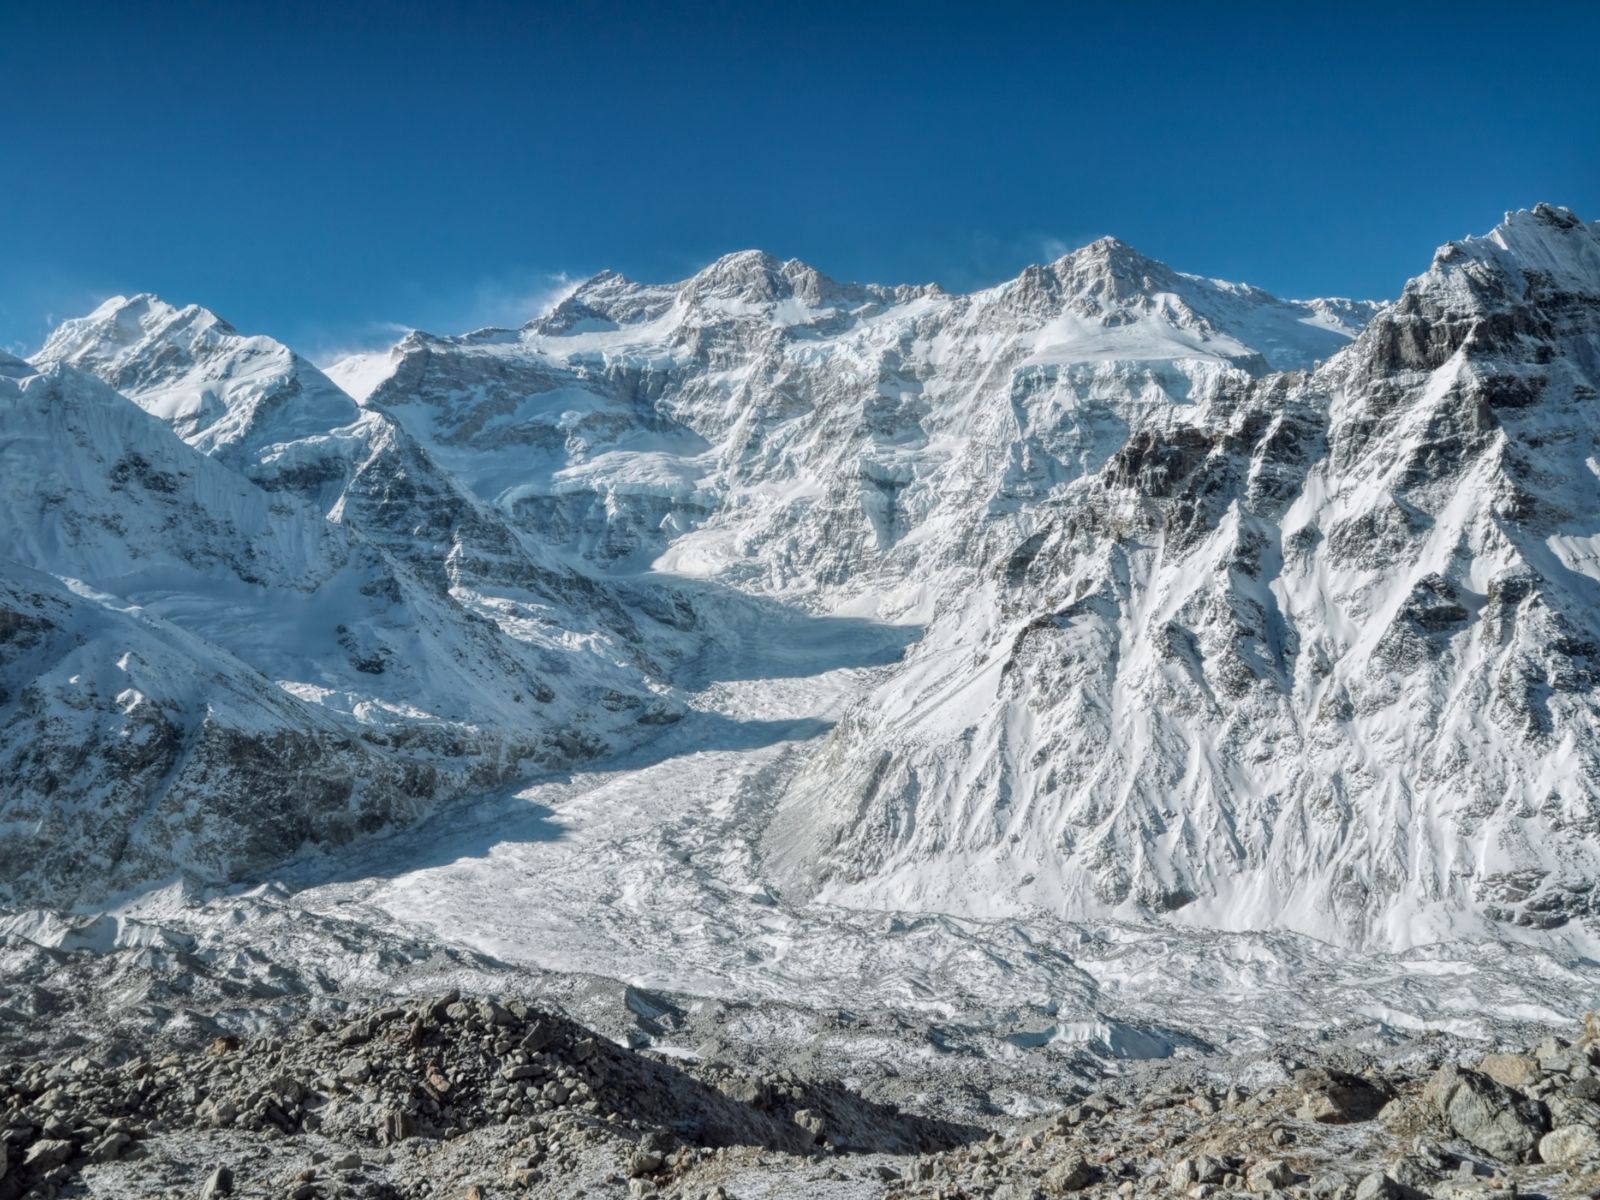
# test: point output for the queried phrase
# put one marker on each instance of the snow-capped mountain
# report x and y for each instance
(1234, 611)
(764, 425)
(231, 396)
(1314, 651)
(201, 675)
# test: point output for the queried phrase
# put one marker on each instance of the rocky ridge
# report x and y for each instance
(1310, 650)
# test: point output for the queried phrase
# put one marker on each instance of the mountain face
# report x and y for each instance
(1235, 611)
(1311, 650)
(768, 427)
(199, 675)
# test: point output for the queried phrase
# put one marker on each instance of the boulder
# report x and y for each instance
(1337, 1097)
(1566, 1108)
(1202, 1168)
(398, 1125)
(218, 1112)
(48, 1153)
(1556, 1054)
(644, 1162)
(1568, 1145)
(1513, 1070)
(1269, 1175)
(218, 1183)
(1587, 1088)
(1072, 1175)
(1378, 1186)
(812, 1122)
(109, 1148)
(1489, 1115)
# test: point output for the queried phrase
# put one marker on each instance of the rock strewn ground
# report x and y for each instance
(411, 1101)
(479, 1098)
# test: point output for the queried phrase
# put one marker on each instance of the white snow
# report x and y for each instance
(1050, 665)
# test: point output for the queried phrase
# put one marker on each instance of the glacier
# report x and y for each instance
(1040, 661)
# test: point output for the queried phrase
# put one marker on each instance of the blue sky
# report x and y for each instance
(327, 176)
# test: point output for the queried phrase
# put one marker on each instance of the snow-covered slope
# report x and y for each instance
(358, 375)
(364, 471)
(1310, 651)
(135, 560)
(1234, 611)
(764, 425)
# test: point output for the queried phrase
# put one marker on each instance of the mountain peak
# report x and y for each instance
(214, 385)
(1111, 259)
(740, 263)
(752, 275)
(1547, 248)
(1105, 275)
(606, 300)
(1108, 248)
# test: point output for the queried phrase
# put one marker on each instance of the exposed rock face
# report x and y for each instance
(1313, 650)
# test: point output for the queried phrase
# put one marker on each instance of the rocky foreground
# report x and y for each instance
(474, 1098)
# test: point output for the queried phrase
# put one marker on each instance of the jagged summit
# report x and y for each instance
(221, 390)
(756, 277)
(121, 326)
(1114, 256)
(1106, 279)
(1545, 248)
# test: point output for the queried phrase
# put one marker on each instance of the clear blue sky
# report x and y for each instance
(324, 171)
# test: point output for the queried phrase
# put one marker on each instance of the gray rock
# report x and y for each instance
(1568, 1145)
(1202, 1168)
(1556, 1054)
(107, 1149)
(1568, 1109)
(1269, 1175)
(812, 1122)
(1489, 1115)
(1329, 1185)
(1587, 1088)
(1378, 1186)
(644, 1162)
(1070, 1176)
(48, 1153)
(218, 1112)
(1336, 1097)
(218, 1183)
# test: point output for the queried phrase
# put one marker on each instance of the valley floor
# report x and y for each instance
(632, 898)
